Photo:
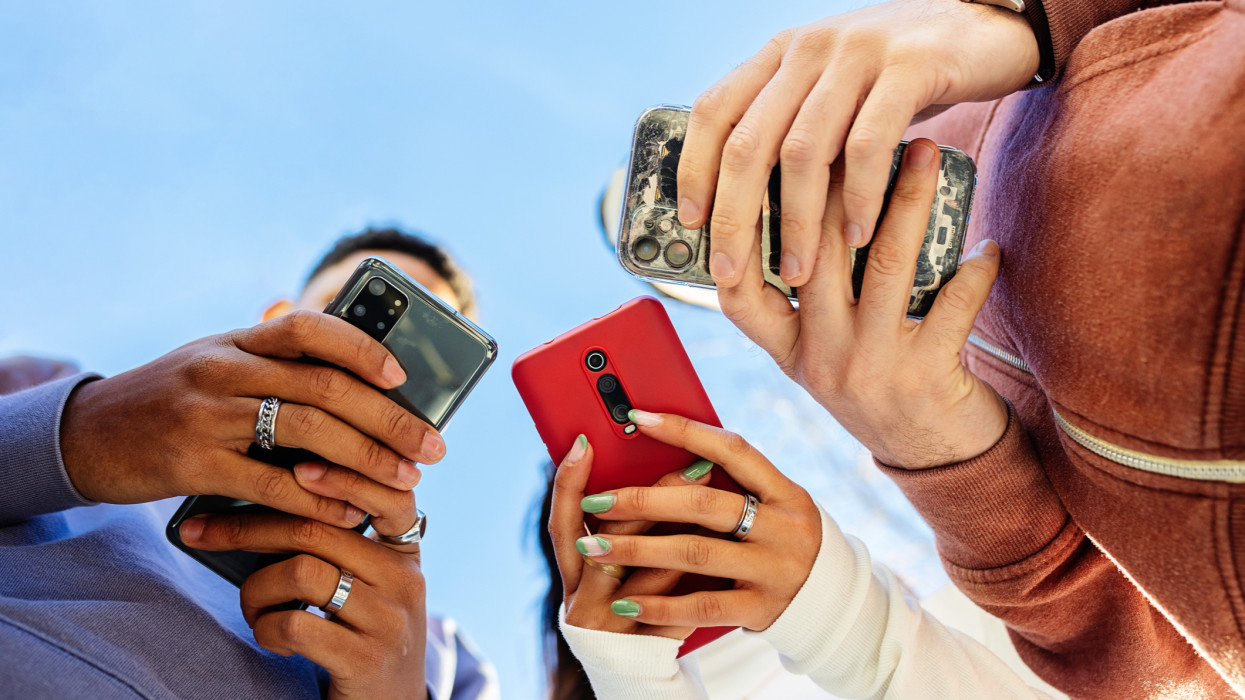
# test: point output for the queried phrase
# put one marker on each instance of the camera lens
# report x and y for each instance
(646, 248)
(376, 286)
(360, 310)
(607, 383)
(620, 413)
(595, 360)
(678, 254)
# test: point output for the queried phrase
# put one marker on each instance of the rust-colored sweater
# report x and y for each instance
(1107, 527)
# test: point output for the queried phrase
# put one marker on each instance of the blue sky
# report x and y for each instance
(169, 169)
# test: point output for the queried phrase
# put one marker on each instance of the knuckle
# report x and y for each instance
(397, 422)
(302, 325)
(799, 150)
(707, 608)
(810, 45)
(886, 258)
(637, 500)
(275, 485)
(697, 552)
(701, 500)
(742, 147)
(777, 45)
(793, 227)
(710, 105)
(958, 298)
(862, 143)
(308, 534)
(304, 571)
(736, 444)
(411, 586)
(329, 384)
(373, 455)
(307, 421)
(295, 628)
(207, 368)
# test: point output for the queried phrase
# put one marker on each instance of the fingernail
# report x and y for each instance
(985, 249)
(354, 516)
(310, 471)
(598, 503)
(392, 372)
(592, 546)
(625, 608)
(721, 268)
(697, 470)
(919, 157)
(854, 235)
(578, 449)
(192, 529)
(689, 213)
(644, 418)
(408, 473)
(433, 447)
(790, 266)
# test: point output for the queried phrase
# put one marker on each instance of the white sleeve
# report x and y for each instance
(625, 666)
(852, 629)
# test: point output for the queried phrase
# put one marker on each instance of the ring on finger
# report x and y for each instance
(344, 582)
(747, 518)
(617, 571)
(266, 423)
(415, 535)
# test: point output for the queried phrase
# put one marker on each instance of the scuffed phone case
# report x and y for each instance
(654, 246)
(442, 352)
(644, 354)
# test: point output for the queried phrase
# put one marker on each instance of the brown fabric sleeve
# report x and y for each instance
(992, 511)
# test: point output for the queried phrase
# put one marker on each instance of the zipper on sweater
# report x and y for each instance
(1202, 470)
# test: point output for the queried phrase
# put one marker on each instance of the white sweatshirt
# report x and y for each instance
(851, 629)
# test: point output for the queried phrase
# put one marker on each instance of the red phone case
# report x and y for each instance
(644, 353)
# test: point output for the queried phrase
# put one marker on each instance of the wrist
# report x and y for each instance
(80, 448)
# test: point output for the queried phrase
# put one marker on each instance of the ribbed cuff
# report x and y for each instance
(823, 612)
(991, 511)
(33, 479)
(631, 665)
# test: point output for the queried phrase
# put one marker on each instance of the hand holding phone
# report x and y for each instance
(654, 245)
(440, 354)
(586, 382)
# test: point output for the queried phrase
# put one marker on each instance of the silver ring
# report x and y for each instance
(748, 517)
(412, 536)
(341, 594)
(266, 424)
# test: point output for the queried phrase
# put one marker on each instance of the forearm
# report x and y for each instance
(33, 479)
(624, 666)
(854, 632)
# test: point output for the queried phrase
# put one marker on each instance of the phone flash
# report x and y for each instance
(629, 429)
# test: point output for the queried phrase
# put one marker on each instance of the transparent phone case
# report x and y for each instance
(654, 246)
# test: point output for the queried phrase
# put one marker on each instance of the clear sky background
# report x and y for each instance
(167, 170)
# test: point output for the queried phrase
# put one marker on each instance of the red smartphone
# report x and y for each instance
(586, 380)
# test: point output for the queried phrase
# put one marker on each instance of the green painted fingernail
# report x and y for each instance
(697, 470)
(592, 546)
(626, 608)
(599, 503)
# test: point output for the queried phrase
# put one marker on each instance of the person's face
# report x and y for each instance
(324, 286)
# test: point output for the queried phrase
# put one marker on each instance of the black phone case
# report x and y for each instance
(452, 366)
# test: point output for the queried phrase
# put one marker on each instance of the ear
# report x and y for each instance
(280, 308)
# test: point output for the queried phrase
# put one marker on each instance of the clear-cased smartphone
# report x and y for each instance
(586, 380)
(654, 246)
(442, 352)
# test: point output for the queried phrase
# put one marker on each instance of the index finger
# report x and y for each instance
(325, 337)
(566, 520)
(713, 116)
(748, 467)
(282, 533)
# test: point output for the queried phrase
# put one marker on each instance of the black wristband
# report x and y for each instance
(1036, 14)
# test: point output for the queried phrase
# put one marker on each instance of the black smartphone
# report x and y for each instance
(655, 247)
(442, 352)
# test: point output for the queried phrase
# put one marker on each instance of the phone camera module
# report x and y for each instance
(646, 248)
(619, 413)
(678, 254)
(360, 310)
(607, 384)
(595, 360)
(377, 286)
